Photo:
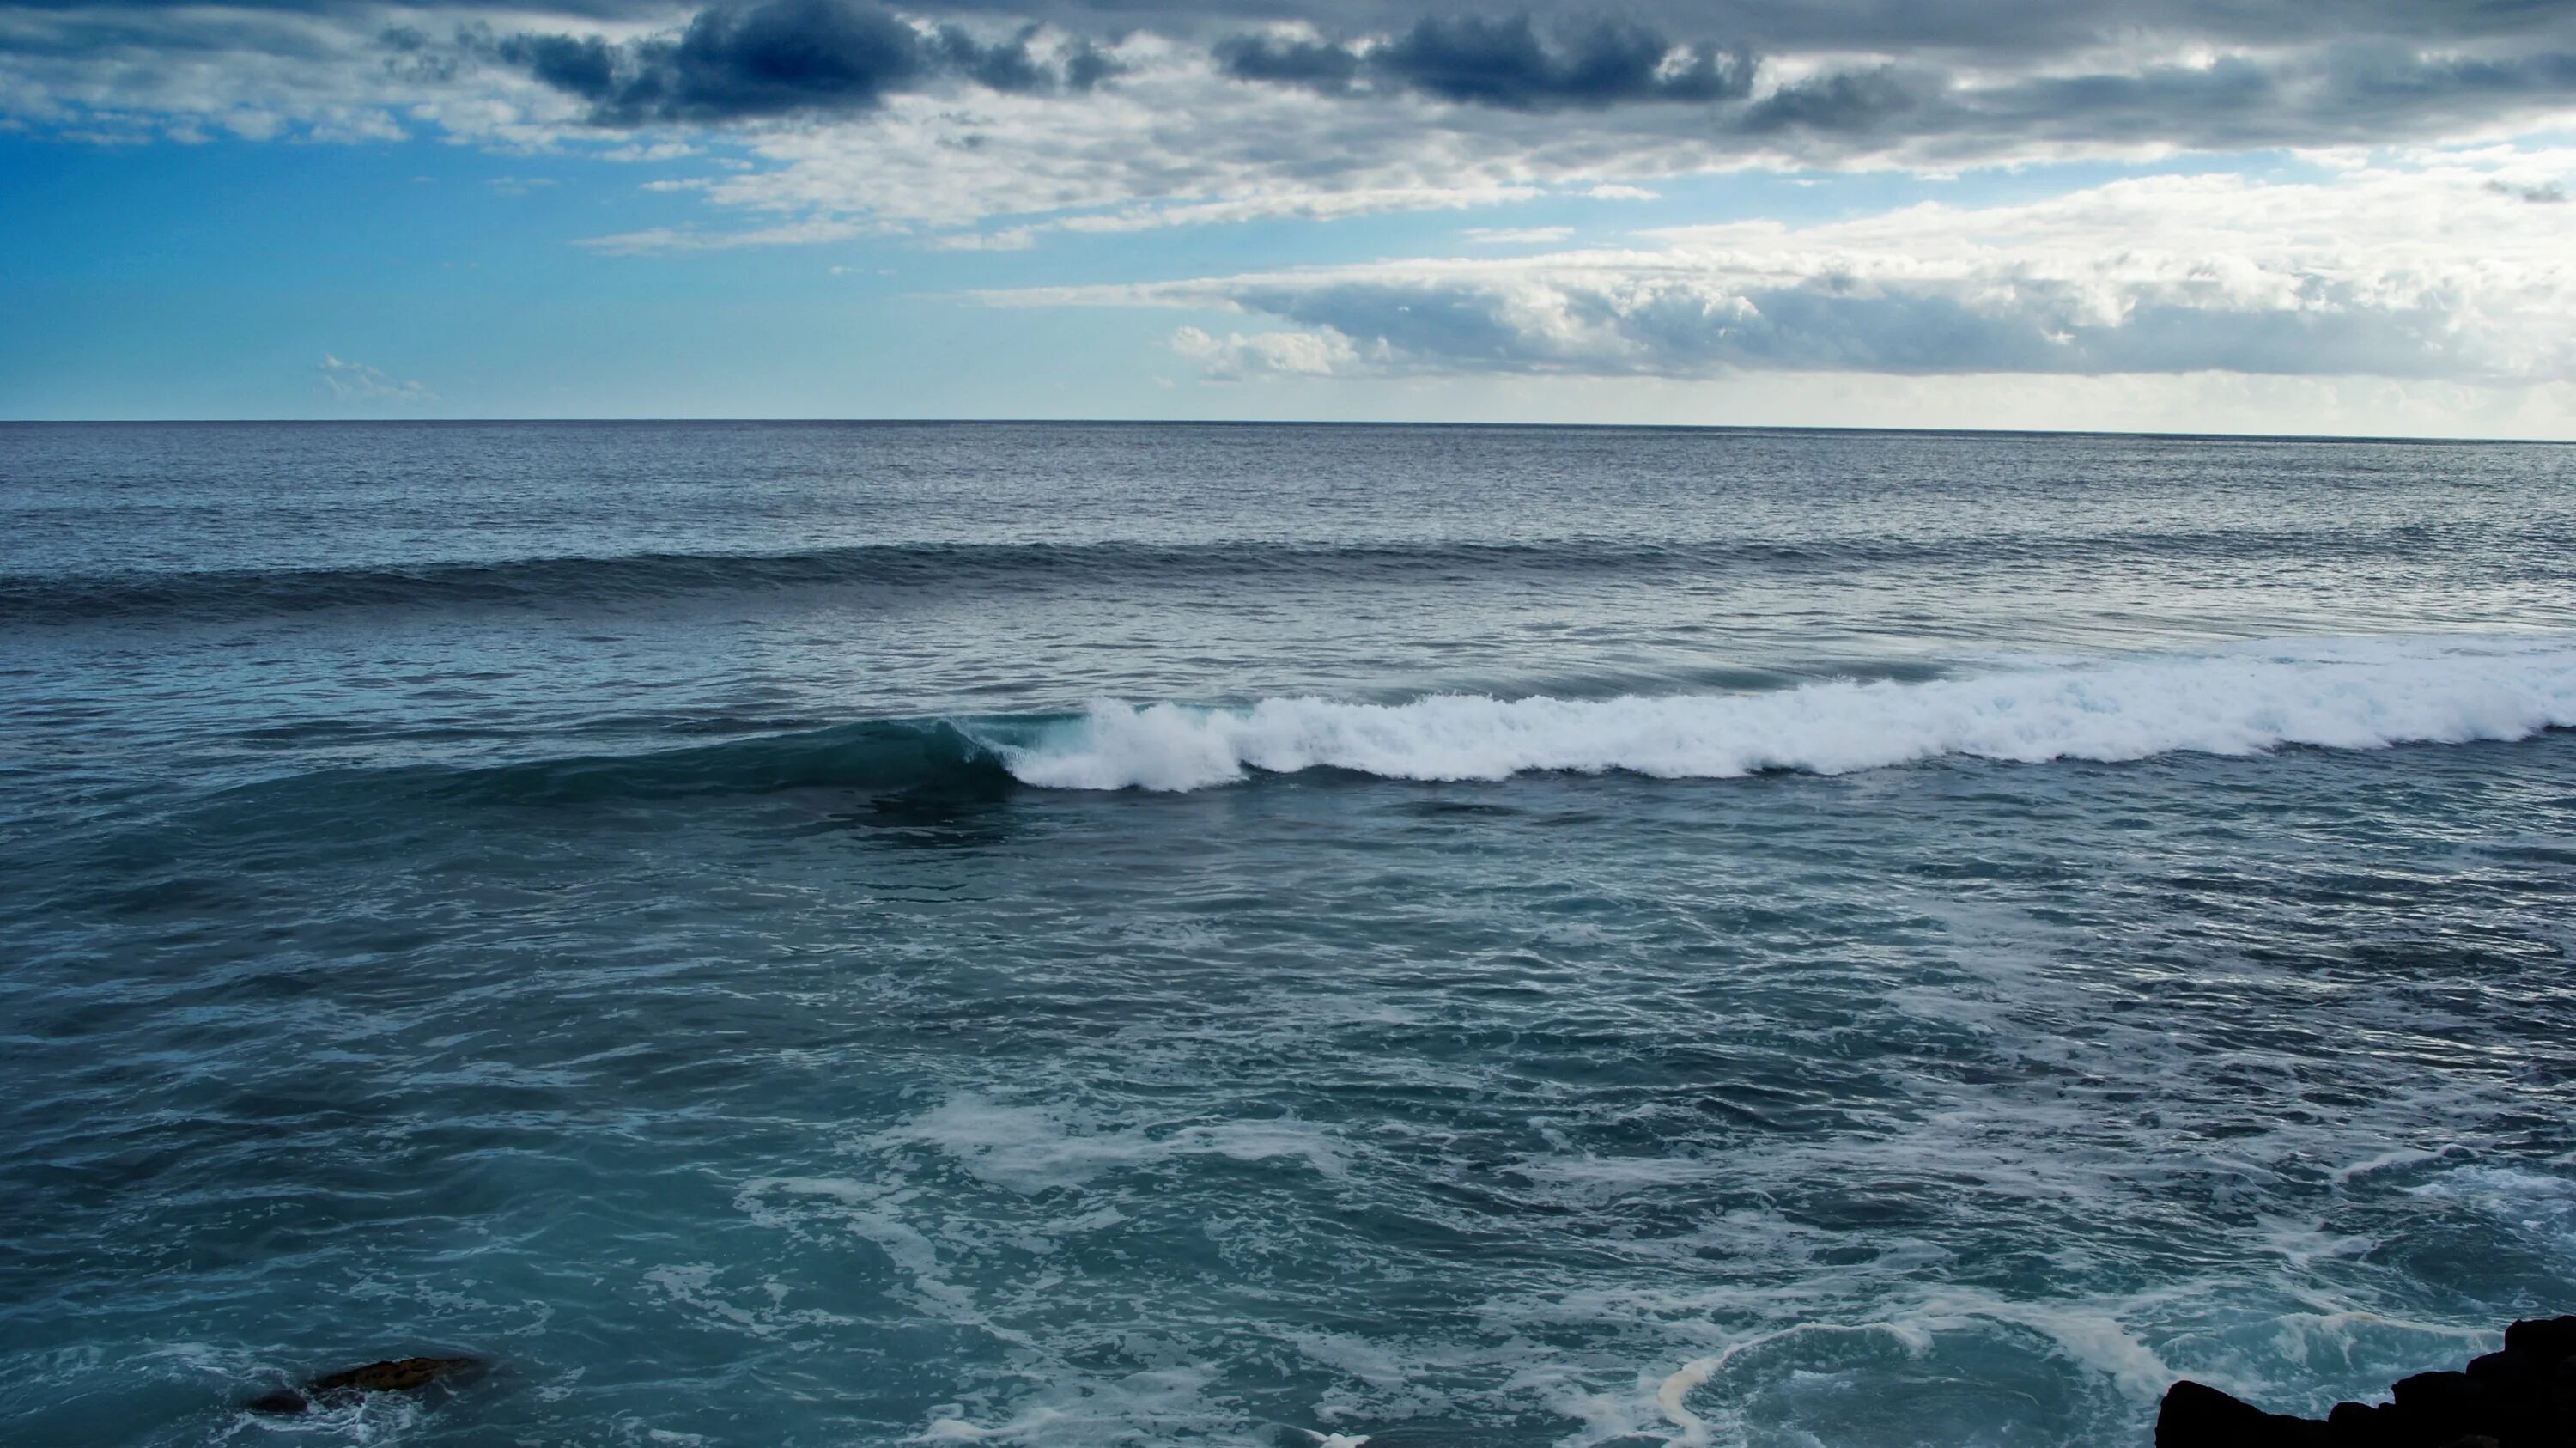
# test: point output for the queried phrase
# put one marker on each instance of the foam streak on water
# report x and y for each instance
(1072, 937)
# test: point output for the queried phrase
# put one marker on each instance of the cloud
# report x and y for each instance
(1516, 235)
(1179, 140)
(945, 113)
(2547, 193)
(1267, 354)
(1117, 161)
(1291, 206)
(664, 239)
(2397, 272)
(763, 59)
(2333, 95)
(1828, 109)
(1289, 60)
(2392, 64)
(1503, 62)
(357, 382)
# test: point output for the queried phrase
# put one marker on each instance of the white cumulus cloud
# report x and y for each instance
(2418, 270)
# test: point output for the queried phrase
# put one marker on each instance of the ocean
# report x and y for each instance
(1068, 935)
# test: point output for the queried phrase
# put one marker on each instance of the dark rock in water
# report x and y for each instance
(394, 1375)
(2509, 1370)
(2438, 1407)
(2196, 1415)
(401, 1375)
(2550, 1340)
(2522, 1397)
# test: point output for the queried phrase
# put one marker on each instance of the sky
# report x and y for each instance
(2266, 216)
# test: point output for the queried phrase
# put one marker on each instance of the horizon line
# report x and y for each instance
(1717, 427)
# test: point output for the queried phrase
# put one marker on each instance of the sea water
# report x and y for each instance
(1086, 935)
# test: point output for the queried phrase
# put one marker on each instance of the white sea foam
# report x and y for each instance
(2542, 1205)
(2340, 694)
(1673, 1392)
(1036, 1148)
(1168, 1404)
(2403, 1156)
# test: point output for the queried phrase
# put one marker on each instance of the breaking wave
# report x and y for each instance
(2336, 695)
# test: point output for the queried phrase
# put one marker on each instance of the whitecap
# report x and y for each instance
(2335, 694)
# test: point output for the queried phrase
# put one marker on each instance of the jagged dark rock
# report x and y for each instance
(394, 1375)
(2201, 1416)
(2522, 1397)
(2553, 1339)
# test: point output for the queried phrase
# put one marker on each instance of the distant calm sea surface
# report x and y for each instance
(1060, 935)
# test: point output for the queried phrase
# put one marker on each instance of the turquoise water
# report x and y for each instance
(1061, 936)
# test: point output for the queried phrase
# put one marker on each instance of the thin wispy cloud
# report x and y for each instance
(348, 381)
(661, 240)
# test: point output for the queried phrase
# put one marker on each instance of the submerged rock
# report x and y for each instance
(280, 1403)
(2522, 1397)
(394, 1375)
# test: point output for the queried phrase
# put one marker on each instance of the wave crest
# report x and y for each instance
(2358, 695)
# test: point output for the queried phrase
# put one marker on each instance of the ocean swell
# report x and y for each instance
(893, 754)
(2329, 694)
(575, 581)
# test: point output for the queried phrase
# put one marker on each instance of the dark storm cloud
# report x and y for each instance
(765, 58)
(2338, 90)
(1985, 26)
(1946, 29)
(2338, 95)
(1503, 62)
(1993, 79)
(1506, 63)
(1842, 103)
(1316, 64)
(1999, 28)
